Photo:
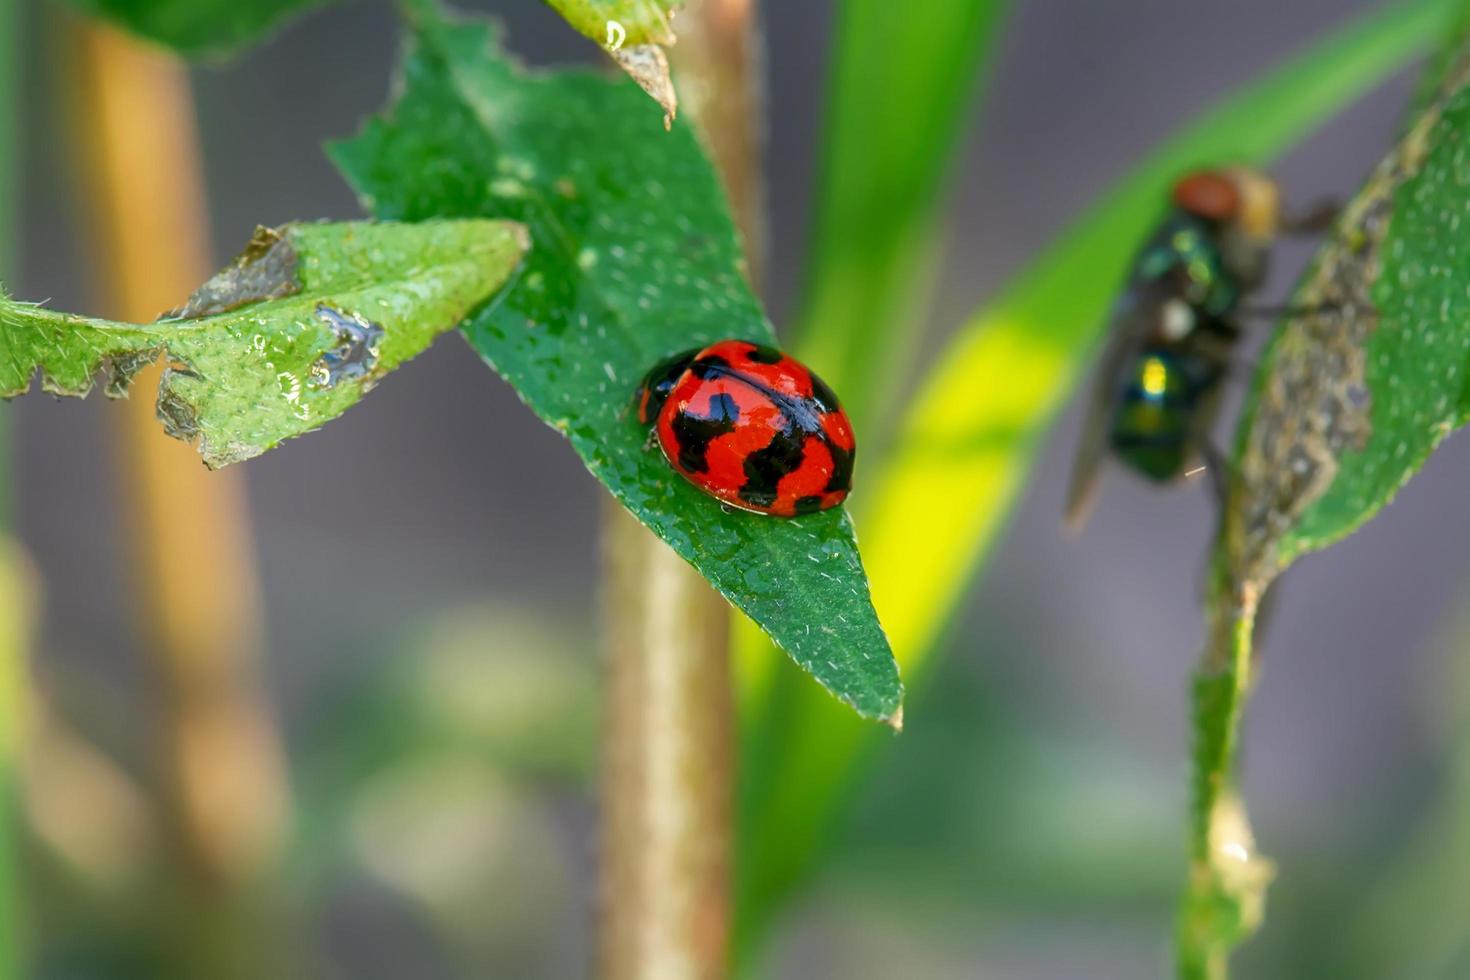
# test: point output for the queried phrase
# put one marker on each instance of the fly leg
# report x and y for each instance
(1281, 312)
(1315, 220)
(1216, 467)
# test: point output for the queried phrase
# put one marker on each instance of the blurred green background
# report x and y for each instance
(428, 571)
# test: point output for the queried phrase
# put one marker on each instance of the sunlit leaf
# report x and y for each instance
(291, 335)
(635, 258)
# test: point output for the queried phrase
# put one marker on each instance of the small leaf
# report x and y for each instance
(635, 259)
(634, 33)
(1352, 395)
(291, 335)
(198, 26)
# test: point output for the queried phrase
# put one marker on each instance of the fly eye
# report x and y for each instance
(1208, 194)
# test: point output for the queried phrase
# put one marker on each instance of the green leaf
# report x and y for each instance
(643, 21)
(1351, 397)
(198, 26)
(877, 230)
(929, 516)
(292, 334)
(634, 33)
(635, 259)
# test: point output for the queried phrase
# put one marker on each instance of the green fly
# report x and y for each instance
(1172, 332)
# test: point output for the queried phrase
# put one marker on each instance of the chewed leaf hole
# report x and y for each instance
(356, 352)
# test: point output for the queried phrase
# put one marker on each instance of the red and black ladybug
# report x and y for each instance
(751, 426)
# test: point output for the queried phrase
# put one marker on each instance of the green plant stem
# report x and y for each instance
(669, 766)
(15, 611)
(1224, 899)
(14, 608)
(10, 142)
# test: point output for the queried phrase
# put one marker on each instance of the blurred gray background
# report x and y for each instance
(440, 491)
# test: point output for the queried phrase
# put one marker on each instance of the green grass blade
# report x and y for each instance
(907, 71)
(960, 460)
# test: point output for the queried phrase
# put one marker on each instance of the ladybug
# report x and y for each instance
(750, 426)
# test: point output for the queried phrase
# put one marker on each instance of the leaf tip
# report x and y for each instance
(895, 720)
(649, 67)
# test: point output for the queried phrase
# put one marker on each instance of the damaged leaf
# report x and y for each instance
(634, 33)
(1351, 397)
(289, 336)
(635, 258)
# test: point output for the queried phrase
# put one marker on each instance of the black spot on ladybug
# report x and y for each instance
(803, 413)
(659, 383)
(694, 432)
(764, 468)
(823, 395)
(765, 355)
(841, 468)
(713, 366)
(808, 505)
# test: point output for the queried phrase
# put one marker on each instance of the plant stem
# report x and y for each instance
(191, 555)
(669, 732)
(668, 763)
(1224, 900)
(15, 611)
(718, 65)
(14, 605)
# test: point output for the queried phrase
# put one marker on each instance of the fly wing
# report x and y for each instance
(1133, 325)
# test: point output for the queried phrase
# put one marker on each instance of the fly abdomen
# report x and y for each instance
(1155, 419)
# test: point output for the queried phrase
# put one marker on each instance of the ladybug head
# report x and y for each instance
(659, 382)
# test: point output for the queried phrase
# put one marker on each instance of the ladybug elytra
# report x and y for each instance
(750, 426)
